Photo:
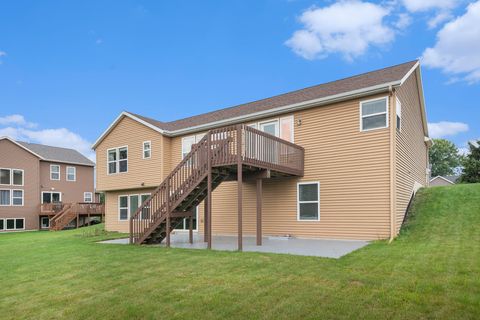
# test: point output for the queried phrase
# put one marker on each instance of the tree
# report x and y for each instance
(444, 157)
(471, 164)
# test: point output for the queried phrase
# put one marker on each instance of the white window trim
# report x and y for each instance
(11, 178)
(194, 138)
(128, 207)
(74, 173)
(9, 198)
(23, 178)
(51, 192)
(150, 149)
(185, 219)
(398, 113)
(59, 172)
(117, 162)
(298, 201)
(41, 223)
(91, 197)
(15, 222)
(374, 114)
(23, 197)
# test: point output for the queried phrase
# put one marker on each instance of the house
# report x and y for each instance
(340, 160)
(444, 180)
(43, 185)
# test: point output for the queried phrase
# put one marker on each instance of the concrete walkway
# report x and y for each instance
(302, 247)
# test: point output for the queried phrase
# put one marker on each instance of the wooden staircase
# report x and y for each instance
(71, 211)
(215, 158)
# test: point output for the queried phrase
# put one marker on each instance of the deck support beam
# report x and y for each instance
(259, 211)
(239, 187)
(167, 227)
(205, 220)
(190, 229)
(209, 189)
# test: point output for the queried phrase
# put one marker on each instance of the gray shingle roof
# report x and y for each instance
(57, 154)
(358, 82)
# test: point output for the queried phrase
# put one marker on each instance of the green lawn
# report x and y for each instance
(431, 271)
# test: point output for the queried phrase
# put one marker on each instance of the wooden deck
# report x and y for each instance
(62, 214)
(229, 153)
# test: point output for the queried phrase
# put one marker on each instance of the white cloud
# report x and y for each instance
(345, 27)
(445, 128)
(457, 47)
(19, 129)
(404, 20)
(2, 54)
(442, 9)
(16, 119)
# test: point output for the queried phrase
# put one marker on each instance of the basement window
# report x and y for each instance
(308, 201)
(15, 224)
(374, 114)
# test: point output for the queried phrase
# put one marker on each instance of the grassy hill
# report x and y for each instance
(432, 270)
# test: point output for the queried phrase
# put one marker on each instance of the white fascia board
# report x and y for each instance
(289, 108)
(23, 147)
(117, 120)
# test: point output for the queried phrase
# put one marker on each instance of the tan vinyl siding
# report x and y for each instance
(112, 221)
(353, 169)
(148, 172)
(411, 150)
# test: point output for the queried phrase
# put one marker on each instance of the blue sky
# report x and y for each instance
(67, 69)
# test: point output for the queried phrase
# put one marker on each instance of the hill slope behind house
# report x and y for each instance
(432, 270)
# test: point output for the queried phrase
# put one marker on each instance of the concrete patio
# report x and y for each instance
(303, 247)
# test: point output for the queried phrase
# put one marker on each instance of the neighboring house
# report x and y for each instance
(339, 160)
(36, 181)
(444, 180)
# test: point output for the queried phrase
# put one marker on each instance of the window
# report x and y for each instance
(185, 225)
(4, 197)
(147, 149)
(308, 208)
(17, 177)
(15, 224)
(17, 197)
(44, 222)
(87, 197)
(270, 127)
(133, 205)
(398, 107)
(71, 174)
(374, 114)
(118, 160)
(187, 144)
(51, 197)
(2, 224)
(123, 208)
(5, 176)
(146, 209)
(54, 172)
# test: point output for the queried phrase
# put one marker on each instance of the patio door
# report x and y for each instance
(51, 197)
(185, 225)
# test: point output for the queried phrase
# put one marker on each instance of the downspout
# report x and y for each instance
(392, 115)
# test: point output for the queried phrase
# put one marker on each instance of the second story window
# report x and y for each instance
(17, 177)
(373, 114)
(118, 160)
(147, 149)
(398, 106)
(5, 176)
(71, 174)
(54, 172)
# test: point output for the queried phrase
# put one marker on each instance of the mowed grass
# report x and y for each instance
(431, 271)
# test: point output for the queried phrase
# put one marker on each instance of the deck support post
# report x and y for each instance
(205, 220)
(190, 229)
(209, 189)
(259, 212)
(78, 221)
(167, 228)
(239, 187)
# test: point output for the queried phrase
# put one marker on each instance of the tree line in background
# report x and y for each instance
(446, 160)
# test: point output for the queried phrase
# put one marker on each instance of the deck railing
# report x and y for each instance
(219, 147)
